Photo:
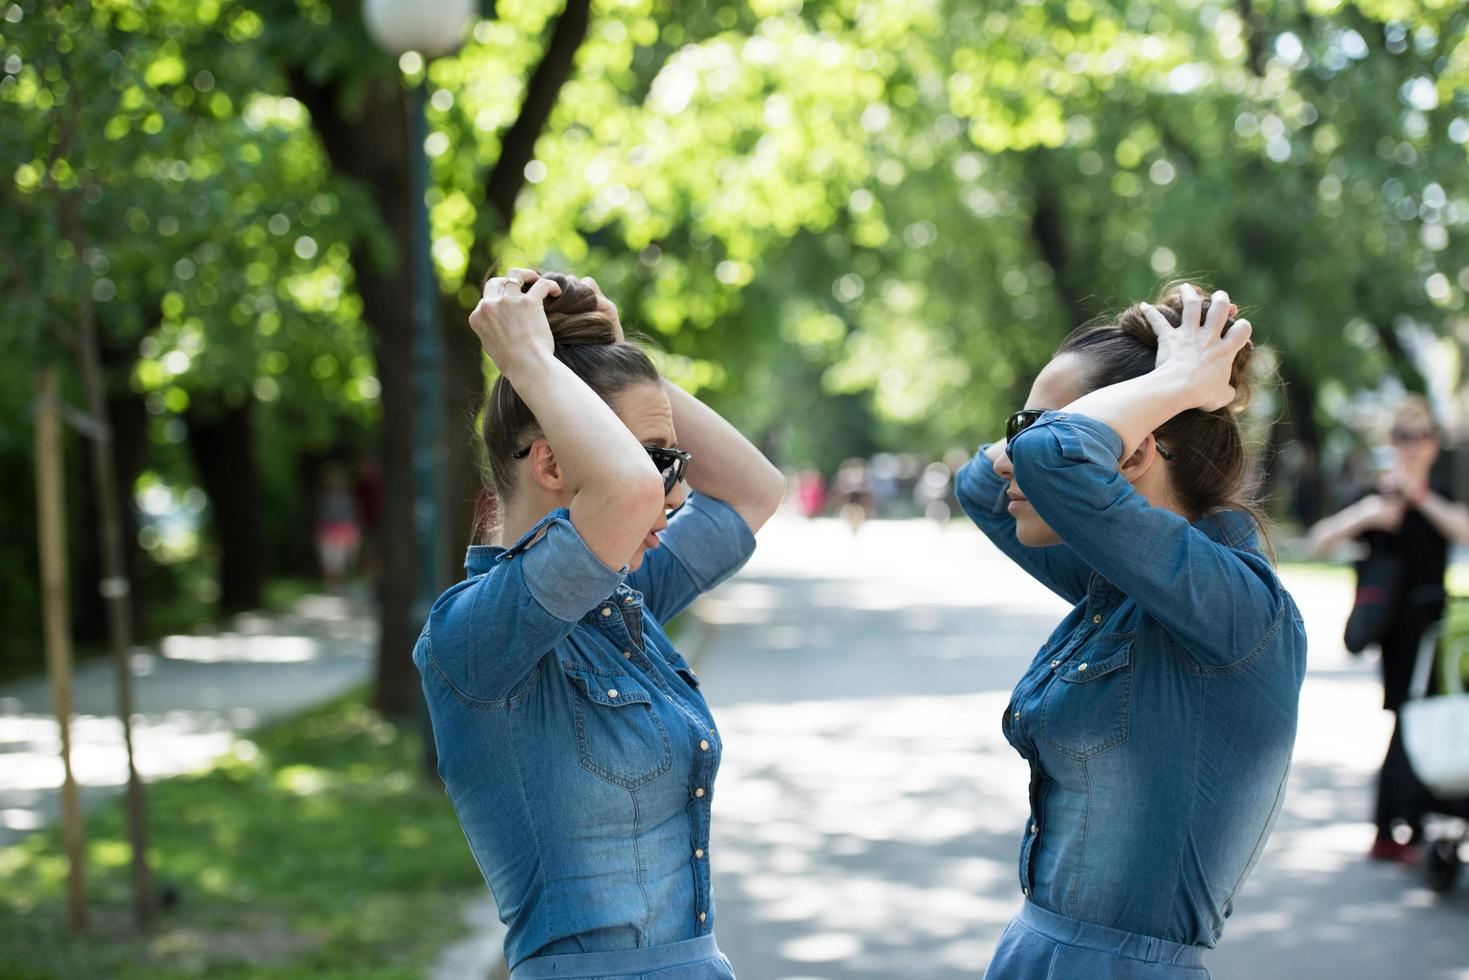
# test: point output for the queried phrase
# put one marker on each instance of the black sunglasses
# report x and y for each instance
(1027, 417)
(671, 463)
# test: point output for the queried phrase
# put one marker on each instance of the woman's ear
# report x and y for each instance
(544, 469)
(1136, 466)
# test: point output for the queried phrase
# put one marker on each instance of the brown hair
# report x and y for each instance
(1212, 467)
(1415, 408)
(587, 344)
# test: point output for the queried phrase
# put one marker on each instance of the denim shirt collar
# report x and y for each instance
(1231, 528)
(480, 558)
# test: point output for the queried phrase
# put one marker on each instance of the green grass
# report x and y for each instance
(1320, 569)
(322, 853)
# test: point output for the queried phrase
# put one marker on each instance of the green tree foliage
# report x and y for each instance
(852, 224)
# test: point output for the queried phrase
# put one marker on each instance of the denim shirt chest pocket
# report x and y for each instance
(619, 735)
(1086, 706)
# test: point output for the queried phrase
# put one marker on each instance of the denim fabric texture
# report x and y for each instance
(1041, 945)
(572, 737)
(692, 959)
(1159, 718)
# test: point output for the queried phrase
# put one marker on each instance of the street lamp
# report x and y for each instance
(428, 28)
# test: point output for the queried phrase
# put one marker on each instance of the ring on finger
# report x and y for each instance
(519, 284)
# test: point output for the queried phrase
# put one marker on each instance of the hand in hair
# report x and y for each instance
(510, 320)
(1199, 355)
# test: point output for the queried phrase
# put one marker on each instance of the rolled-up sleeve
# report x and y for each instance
(1219, 601)
(981, 493)
(488, 633)
(705, 543)
(563, 574)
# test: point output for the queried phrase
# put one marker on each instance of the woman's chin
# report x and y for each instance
(1036, 534)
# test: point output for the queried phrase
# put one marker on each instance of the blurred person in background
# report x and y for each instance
(367, 493)
(1407, 521)
(1160, 717)
(810, 492)
(851, 492)
(338, 534)
(932, 491)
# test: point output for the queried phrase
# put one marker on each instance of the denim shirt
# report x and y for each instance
(1159, 718)
(572, 737)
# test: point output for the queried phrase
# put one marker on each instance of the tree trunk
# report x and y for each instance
(222, 444)
(363, 125)
(128, 414)
(462, 358)
(51, 528)
(115, 583)
(1309, 503)
(366, 138)
(465, 390)
(1048, 231)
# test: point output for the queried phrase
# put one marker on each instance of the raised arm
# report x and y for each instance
(1371, 513)
(617, 492)
(726, 465)
(1450, 518)
(1213, 591)
(1194, 367)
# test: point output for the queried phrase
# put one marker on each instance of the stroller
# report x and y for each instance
(1436, 738)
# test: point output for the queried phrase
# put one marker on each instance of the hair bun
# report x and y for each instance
(574, 317)
(1135, 324)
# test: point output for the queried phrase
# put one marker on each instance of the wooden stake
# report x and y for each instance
(115, 586)
(51, 531)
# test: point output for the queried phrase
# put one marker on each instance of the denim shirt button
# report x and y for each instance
(1081, 668)
(612, 692)
(1035, 828)
(704, 744)
(1055, 663)
(627, 654)
(606, 611)
(699, 853)
(702, 917)
(699, 792)
(1096, 619)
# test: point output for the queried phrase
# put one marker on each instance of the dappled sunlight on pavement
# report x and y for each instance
(193, 695)
(869, 812)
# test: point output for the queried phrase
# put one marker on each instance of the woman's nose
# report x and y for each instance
(1002, 466)
(675, 497)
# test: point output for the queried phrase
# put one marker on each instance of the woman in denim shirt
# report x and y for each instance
(1158, 719)
(572, 737)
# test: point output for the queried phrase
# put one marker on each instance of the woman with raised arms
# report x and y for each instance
(1159, 718)
(572, 737)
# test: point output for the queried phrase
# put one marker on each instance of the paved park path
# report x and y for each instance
(869, 812)
(193, 695)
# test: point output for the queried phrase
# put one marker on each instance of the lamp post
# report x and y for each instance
(425, 29)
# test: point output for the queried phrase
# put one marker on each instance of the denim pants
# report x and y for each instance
(692, 959)
(1041, 945)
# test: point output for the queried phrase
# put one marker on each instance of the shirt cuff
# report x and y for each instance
(563, 574)
(721, 543)
(1068, 438)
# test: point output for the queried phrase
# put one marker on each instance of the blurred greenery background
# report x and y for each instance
(851, 225)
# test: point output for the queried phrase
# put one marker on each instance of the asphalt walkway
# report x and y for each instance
(868, 811)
